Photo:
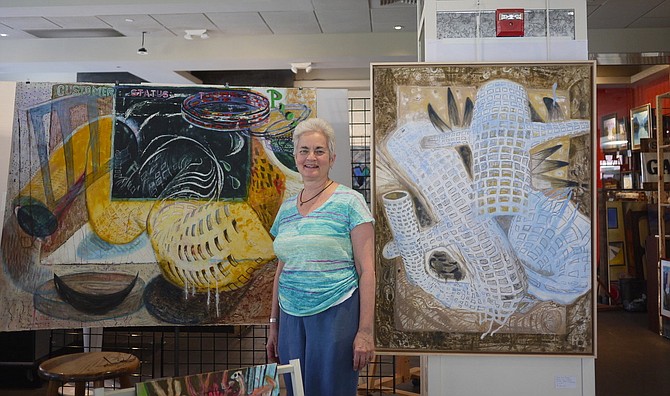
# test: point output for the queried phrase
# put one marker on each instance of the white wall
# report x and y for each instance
(333, 106)
(476, 375)
(7, 92)
(509, 376)
(39, 76)
(504, 49)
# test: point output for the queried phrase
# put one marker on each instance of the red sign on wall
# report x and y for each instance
(509, 22)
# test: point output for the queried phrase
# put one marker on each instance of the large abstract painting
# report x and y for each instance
(145, 205)
(484, 206)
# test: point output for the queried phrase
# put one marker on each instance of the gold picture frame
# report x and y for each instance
(640, 124)
(483, 195)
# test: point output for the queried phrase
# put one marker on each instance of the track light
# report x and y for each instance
(306, 66)
(202, 33)
(142, 50)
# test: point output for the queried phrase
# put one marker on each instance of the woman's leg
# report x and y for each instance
(291, 344)
(329, 350)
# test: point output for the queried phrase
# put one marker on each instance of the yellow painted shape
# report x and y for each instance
(208, 245)
(79, 141)
(267, 186)
(117, 222)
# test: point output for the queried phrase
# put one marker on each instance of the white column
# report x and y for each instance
(466, 375)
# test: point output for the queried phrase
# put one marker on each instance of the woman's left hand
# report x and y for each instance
(364, 350)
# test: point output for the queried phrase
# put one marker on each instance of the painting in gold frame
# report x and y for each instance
(640, 124)
(482, 191)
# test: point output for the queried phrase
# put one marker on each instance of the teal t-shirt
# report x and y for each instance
(317, 253)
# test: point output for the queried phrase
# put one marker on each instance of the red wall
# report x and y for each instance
(646, 90)
(613, 100)
(621, 100)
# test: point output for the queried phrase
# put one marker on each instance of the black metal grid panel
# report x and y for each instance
(175, 351)
(360, 132)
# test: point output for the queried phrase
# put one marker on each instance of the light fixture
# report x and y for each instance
(398, 27)
(142, 50)
(3, 35)
(306, 66)
(389, 2)
(202, 33)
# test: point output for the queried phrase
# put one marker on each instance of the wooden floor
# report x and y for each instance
(632, 360)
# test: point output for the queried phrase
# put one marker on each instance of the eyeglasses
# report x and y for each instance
(318, 152)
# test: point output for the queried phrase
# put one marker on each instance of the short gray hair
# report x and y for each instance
(315, 125)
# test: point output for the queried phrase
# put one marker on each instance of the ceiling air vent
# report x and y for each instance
(74, 33)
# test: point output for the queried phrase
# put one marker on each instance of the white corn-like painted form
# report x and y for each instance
(494, 282)
(500, 137)
(553, 241)
(548, 236)
(409, 242)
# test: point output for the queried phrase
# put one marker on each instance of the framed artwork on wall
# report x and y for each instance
(612, 218)
(627, 181)
(624, 130)
(640, 124)
(609, 132)
(482, 192)
(665, 288)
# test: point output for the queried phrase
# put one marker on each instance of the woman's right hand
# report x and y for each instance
(271, 347)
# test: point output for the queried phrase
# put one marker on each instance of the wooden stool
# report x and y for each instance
(81, 368)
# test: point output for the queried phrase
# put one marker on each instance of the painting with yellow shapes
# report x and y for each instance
(145, 205)
(484, 203)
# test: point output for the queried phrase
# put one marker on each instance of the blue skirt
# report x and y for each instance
(324, 344)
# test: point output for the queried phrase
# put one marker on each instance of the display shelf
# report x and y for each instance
(662, 102)
(662, 146)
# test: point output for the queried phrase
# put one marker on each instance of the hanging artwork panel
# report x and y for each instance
(484, 205)
(133, 205)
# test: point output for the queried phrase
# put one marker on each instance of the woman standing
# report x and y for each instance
(323, 294)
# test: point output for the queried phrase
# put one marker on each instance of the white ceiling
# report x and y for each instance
(628, 14)
(339, 37)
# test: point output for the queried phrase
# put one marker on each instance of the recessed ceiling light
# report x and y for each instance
(3, 35)
(202, 33)
(129, 20)
(398, 27)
